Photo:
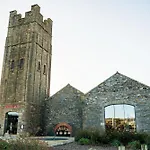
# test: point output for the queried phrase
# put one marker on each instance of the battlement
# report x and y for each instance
(33, 15)
(35, 8)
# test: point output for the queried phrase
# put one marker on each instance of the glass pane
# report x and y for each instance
(109, 112)
(119, 111)
(129, 111)
(120, 117)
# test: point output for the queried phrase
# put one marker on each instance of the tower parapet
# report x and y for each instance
(34, 15)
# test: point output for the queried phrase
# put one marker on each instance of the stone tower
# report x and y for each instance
(25, 81)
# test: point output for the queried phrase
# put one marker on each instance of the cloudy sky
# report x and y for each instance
(92, 39)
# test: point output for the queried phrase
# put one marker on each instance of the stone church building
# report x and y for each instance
(25, 101)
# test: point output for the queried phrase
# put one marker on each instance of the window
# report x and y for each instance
(12, 65)
(44, 71)
(21, 63)
(39, 66)
(120, 117)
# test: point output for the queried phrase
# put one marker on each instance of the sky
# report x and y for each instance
(92, 39)
(120, 111)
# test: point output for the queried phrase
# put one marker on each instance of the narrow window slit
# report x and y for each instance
(44, 71)
(21, 63)
(39, 66)
(12, 65)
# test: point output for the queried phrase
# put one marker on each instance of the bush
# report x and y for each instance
(84, 141)
(148, 141)
(27, 144)
(95, 136)
(91, 134)
(141, 137)
(23, 144)
(115, 135)
(116, 143)
(104, 140)
(4, 145)
(114, 138)
(82, 134)
(134, 145)
(126, 137)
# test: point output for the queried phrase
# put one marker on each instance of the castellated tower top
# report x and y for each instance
(31, 16)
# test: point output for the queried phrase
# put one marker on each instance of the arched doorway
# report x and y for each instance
(120, 117)
(63, 129)
(11, 122)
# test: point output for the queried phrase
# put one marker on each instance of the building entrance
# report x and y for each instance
(11, 122)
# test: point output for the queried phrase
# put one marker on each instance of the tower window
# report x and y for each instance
(39, 66)
(21, 63)
(12, 65)
(44, 71)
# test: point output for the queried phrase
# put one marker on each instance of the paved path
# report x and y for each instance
(75, 146)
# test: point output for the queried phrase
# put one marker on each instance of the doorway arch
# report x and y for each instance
(11, 122)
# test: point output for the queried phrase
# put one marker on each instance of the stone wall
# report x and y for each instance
(64, 106)
(26, 67)
(118, 89)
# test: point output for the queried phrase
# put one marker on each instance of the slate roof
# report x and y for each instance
(119, 82)
(68, 88)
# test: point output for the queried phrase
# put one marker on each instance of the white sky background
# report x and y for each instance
(92, 39)
(120, 111)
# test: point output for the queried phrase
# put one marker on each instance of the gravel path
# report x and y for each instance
(75, 146)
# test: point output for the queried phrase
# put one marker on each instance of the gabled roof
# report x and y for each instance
(119, 82)
(68, 88)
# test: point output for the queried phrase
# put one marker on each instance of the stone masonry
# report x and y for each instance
(118, 89)
(26, 68)
(64, 106)
(25, 86)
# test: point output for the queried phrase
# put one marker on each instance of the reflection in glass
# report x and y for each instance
(120, 117)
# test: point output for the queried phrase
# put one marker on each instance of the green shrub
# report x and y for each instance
(116, 143)
(148, 141)
(134, 145)
(141, 137)
(23, 144)
(104, 139)
(27, 144)
(4, 145)
(84, 141)
(114, 138)
(82, 134)
(126, 137)
(91, 134)
(95, 136)
(115, 135)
